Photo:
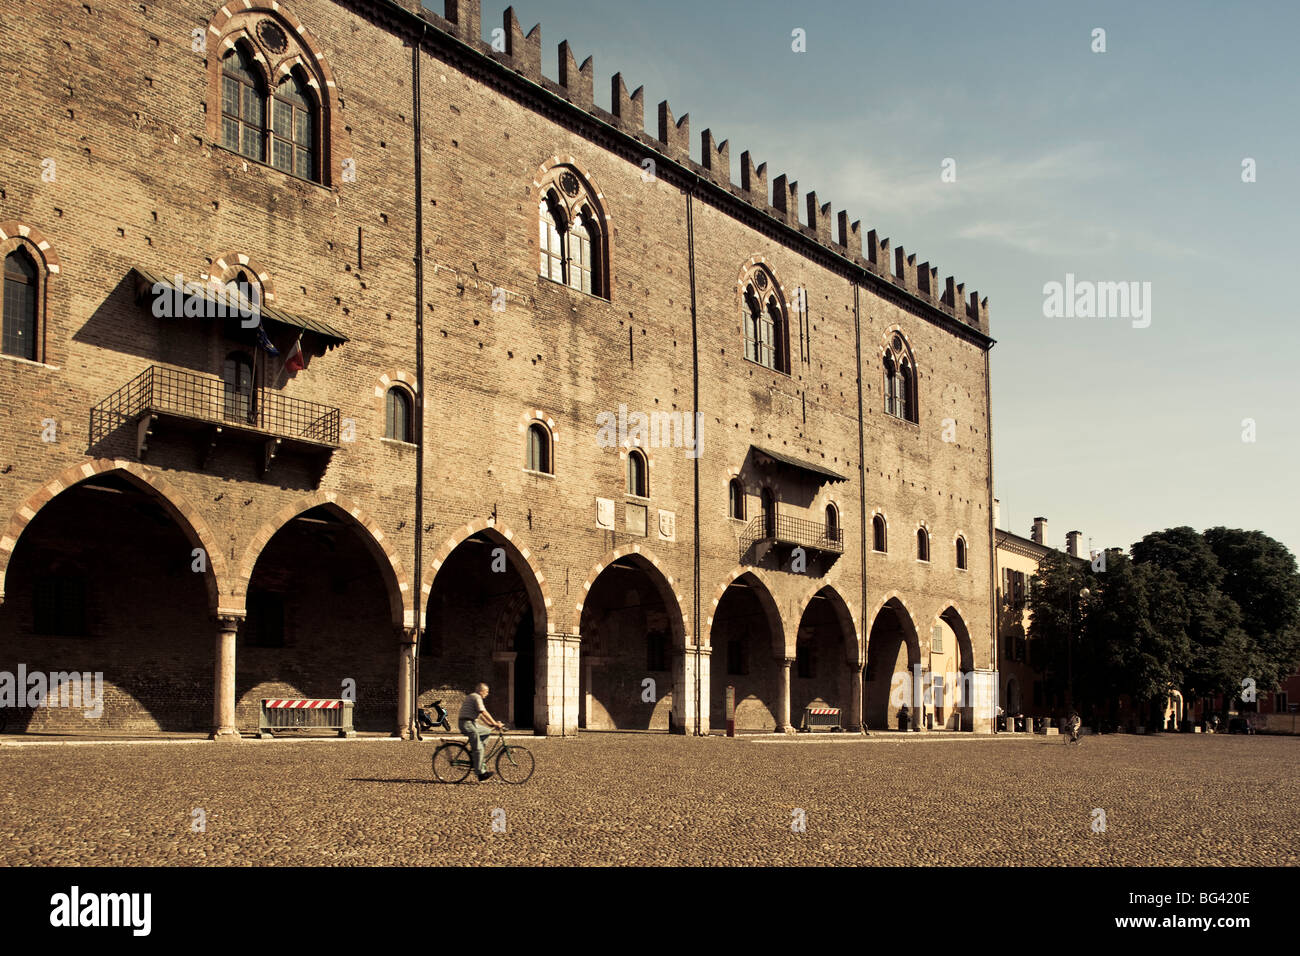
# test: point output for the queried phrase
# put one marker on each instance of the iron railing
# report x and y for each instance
(787, 529)
(206, 398)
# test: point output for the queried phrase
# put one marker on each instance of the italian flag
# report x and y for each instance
(294, 361)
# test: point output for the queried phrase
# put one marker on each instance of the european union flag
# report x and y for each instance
(264, 341)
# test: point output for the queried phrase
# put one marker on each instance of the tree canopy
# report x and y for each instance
(1197, 612)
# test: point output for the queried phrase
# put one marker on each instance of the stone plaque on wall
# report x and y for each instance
(605, 513)
(668, 525)
(636, 519)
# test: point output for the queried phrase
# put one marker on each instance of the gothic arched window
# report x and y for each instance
(281, 127)
(572, 235)
(765, 322)
(922, 545)
(900, 380)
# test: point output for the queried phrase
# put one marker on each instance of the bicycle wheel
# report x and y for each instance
(451, 763)
(515, 764)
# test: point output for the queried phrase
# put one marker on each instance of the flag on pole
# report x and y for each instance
(264, 341)
(294, 361)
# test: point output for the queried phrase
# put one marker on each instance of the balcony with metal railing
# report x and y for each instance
(216, 410)
(768, 533)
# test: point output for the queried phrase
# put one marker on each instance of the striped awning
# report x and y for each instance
(147, 283)
(823, 473)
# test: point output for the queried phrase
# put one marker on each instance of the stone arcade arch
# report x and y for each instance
(632, 632)
(325, 598)
(486, 617)
(749, 653)
(893, 650)
(953, 707)
(827, 663)
(108, 569)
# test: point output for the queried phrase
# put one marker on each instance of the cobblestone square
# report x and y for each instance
(658, 800)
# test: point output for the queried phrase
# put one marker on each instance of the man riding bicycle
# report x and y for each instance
(469, 715)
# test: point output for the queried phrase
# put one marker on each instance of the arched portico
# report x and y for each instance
(893, 659)
(487, 619)
(827, 669)
(749, 653)
(107, 570)
(634, 671)
(325, 600)
(952, 666)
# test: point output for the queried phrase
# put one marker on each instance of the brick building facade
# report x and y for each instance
(580, 416)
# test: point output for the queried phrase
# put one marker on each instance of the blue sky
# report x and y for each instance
(1116, 166)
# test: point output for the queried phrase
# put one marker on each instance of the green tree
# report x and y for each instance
(1056, 628)
(1220, 648)
(1136, 635)
(1259, 575)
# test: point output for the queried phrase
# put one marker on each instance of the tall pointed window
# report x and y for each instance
(397, 415)
(900, 380)
(922, 545)
(243, 105)
(879, 539)
(21, 304)
(832, 523)
(765, 322)
(294, 128)
(736, 491)
(961, 553)
(571, 234)
(638, 474)
(538, 453)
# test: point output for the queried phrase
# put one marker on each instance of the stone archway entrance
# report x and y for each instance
(631, 668)
(826, 651)
(893, 651)
(322, 617)
(485, 621)
(104, 585)
(748, 653)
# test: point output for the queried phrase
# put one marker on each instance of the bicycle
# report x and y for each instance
(453, 761)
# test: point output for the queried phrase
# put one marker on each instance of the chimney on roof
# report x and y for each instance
(1040, 531)
(1072, 543)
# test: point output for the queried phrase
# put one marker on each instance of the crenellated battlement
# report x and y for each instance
(676, 137)
(523, 55)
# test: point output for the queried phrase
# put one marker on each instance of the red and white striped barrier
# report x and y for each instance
(821, 718)
(302, 704)
(305, 713)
